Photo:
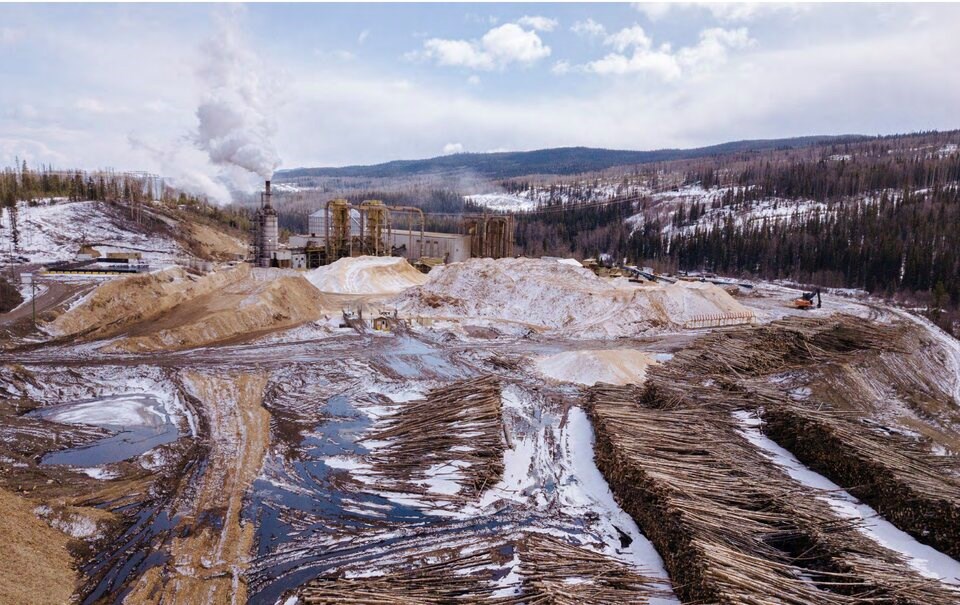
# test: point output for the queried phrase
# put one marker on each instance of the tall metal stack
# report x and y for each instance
(267, 230)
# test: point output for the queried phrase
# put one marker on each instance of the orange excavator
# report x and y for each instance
(806, 300)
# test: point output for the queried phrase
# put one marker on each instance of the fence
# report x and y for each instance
(720, 319)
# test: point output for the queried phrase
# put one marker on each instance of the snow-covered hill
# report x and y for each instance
(54, 230)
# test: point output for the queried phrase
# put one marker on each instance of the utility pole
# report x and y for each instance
(33, 294)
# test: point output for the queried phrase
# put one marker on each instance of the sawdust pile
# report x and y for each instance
(366, 275)
(241, 309)
(212, 244)
(172, 309)
(612, 366)
(548, 295)
(117, 304)
(37, 567)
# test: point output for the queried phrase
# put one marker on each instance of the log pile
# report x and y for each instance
(891, 474)
(722, 360)
(916, 492)
(463, 579)
(730, 525)
(458, 426)
(551, 571)
(560, 573)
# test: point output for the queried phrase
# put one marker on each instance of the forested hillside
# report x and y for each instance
(883, 216)
(563, 160)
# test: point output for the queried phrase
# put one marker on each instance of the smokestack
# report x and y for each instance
(267, 195)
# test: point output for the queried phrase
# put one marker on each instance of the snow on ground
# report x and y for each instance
(926, 560)
(612, 366)
(502, 201)
(54, 230)
(772, 209)
(549, 466)
(97, 472)
(366, 275)
(128, 411)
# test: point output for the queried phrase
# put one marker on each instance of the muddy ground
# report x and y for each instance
(307, 459)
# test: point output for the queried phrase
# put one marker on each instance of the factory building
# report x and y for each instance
(343, 229)
(451, 247)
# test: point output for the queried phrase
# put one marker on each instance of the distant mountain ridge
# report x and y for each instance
(560, 160)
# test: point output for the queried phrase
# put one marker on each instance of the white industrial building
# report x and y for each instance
(451, 247)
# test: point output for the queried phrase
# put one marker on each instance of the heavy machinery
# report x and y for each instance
(806, 300)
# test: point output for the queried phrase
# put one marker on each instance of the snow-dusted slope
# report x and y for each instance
(502, 201)
(54, 230)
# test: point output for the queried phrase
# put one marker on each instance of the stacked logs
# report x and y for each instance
(550, 571)
(891, 474)
(730, 525)
(454, 424)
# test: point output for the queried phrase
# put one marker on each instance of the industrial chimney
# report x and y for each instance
(268, 231)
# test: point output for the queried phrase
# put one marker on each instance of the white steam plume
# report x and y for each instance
(235, 125)
(182, 170)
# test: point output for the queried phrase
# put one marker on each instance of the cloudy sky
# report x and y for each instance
(191, 89)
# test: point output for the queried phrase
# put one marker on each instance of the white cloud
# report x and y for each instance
(511, 43)
(363, 36)
(654, 10)
(456, 53)
(711, 50)
(629, 37)
(473, 80)
(543, 24)
(589, 29)
(561, 68)
(728, 12)
(499, 47)
(451, 148)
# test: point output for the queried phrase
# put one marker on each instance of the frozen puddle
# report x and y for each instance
(928, 561)
(139, 422)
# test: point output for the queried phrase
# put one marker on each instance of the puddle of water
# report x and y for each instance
(410, 357)
(138, 422)
(303, 503)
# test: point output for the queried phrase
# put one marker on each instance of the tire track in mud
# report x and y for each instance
(210, 545)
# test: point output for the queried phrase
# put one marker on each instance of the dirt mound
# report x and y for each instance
(212, 244)
(612, 366)
(37, 567)
(555, 296)
(242, 308)
(172, 309)
(366, 275)
(115, 305)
